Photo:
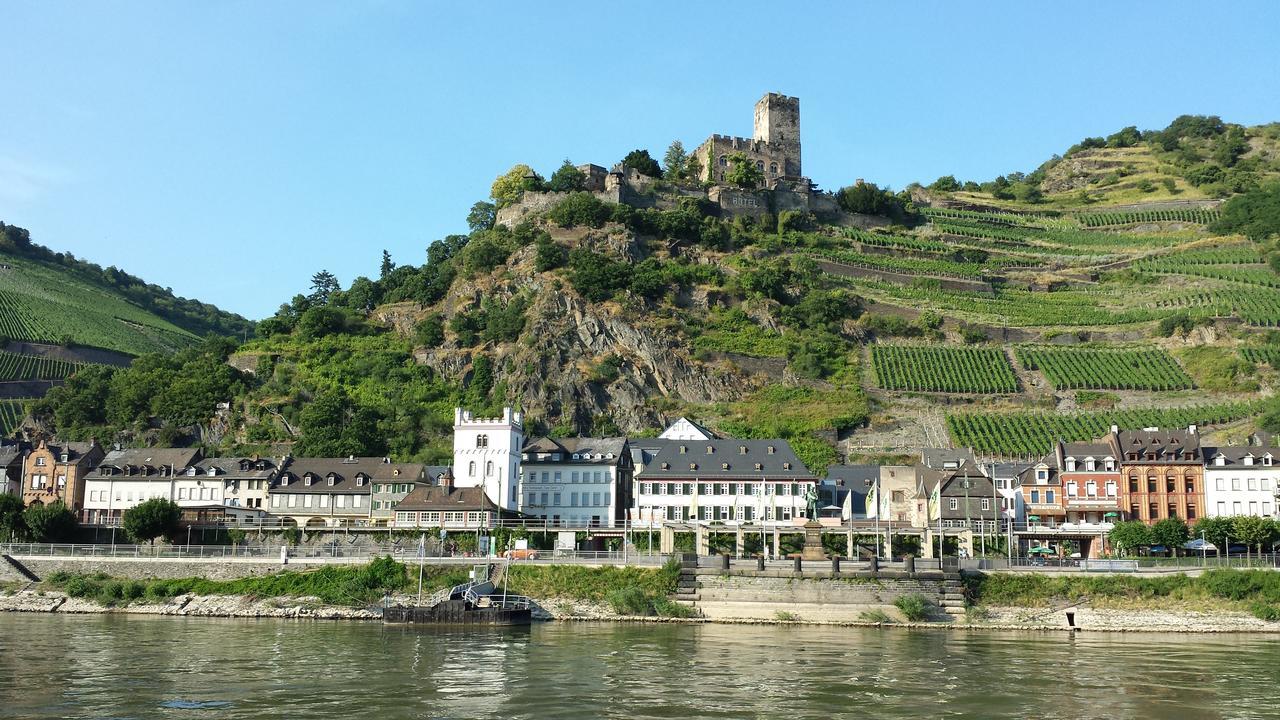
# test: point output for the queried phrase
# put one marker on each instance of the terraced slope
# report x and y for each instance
(45, 303)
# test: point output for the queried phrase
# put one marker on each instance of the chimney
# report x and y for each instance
(446, 480)
(1192, 429)
(1115, 429)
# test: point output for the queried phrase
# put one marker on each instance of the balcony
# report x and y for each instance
(1093, 502)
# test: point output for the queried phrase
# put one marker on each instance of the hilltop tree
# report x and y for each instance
(387, 266)
(151, 519)
(743, 172)
(675, 164)
(482, 216)
(642, 163)
(323, 285)
(567, 178)
(946, 183)
(509, 186)
(49, 523)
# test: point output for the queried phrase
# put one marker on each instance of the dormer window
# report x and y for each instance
(710, 449)
(1266, 460)
(191, 471)
(1110, 465)
(284, 480)
(307, 481)
(608, 456)
(759, 467)
(360, 481)
(770, 450)
(786, 466)
(724, 466)
(742, 449)
(213, 472)
(332, 480)
(66, 457)
(1071, 464)
(666, 466)
(1248, 459)
(683, 449)
(693, 466)
(576, 456)
(1220, 461)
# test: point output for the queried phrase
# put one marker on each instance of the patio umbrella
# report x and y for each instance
(1033, 517)
(1040, 550)
(1199, 544)
(1110, 515)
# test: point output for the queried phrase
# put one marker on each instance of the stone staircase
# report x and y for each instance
(952, 600)
(687, 584)
(19, 568)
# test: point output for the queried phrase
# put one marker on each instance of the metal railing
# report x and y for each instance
(328, 552)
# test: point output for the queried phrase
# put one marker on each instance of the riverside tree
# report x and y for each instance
(49, 523)
(151, 519)
(11, 525)
(1170, 532)
(1130, 535)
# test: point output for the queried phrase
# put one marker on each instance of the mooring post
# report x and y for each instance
(835, 564)
(724, 561)
(798, 567)
(760, 563)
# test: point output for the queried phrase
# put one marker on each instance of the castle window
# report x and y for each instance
(724, 161)
(482, 441)
(471, 469)
(488, 468)
(773, 168)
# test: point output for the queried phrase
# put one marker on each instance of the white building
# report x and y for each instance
(734, 482)
(486, 453)
(127, 478)
(685, 429)
(577, 481)
(1241, 481)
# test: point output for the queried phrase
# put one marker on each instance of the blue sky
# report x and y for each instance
(228, 150)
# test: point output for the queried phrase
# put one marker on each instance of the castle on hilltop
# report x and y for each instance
(774, 145)
(774, 148)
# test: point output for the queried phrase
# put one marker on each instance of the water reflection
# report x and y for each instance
(150, 667)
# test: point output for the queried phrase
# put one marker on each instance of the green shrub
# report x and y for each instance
(666, 607)
(1265, 611)
(875, 616)
(784, 616)
(630, 601)
(132, 590)
(914, 606)
(580, 208)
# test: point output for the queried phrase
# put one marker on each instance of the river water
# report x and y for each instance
(119, 666)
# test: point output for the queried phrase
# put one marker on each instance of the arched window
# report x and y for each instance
(760, 165)
(773, 168)
(471, 469)
(724, 161)
(488, 468)
(482, 441)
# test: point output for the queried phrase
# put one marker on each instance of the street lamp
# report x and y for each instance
(1204, 550)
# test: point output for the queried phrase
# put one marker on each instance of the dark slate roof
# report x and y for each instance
(10, 453)
(858, 478)
(727, 459)
(1028, 476)
(345, 471)
(1235, 455)
(436, 497)
(435, 471)
(1160, 442)
(1088, 449)
(937, 458)
(1012, 469)
(139, 458)
(76, 451)
(237, 467)
(585, 447)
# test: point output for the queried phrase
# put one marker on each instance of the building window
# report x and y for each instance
(1091, 488)
(1048, 496)
(773, 168)
(1072, 489)
(482, 441)
(986, 503)
(1035, 496)
(1111, 488)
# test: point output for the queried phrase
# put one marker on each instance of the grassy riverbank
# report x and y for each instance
(627, 590)
(1255, 591)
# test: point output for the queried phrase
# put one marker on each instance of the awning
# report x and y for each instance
(1199, 544)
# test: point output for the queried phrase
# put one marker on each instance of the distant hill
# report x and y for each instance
(57, 299)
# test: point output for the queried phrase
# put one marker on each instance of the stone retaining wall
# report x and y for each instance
(145, 568)
(748, 594)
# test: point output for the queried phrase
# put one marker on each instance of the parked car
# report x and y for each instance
(527, 554)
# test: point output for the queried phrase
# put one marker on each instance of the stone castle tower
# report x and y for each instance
(774, 146)
(778, 124)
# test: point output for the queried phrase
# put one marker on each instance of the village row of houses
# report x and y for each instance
(686, 475)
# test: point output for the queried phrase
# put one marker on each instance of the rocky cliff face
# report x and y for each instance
(578, 361)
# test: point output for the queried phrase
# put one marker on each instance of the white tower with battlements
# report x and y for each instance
(486, 453)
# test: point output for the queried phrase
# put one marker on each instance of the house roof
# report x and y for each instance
(940, 458)
(10, 453)
(1087, 449)
(439, 497)
(1028, 476)
(727, 459)
(1236, 454)
(858, 478)
(1163, 443)
(238, 467)
(77, 452)
(123, 461)
(697, 429)
(586, 448)
(345, 472)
